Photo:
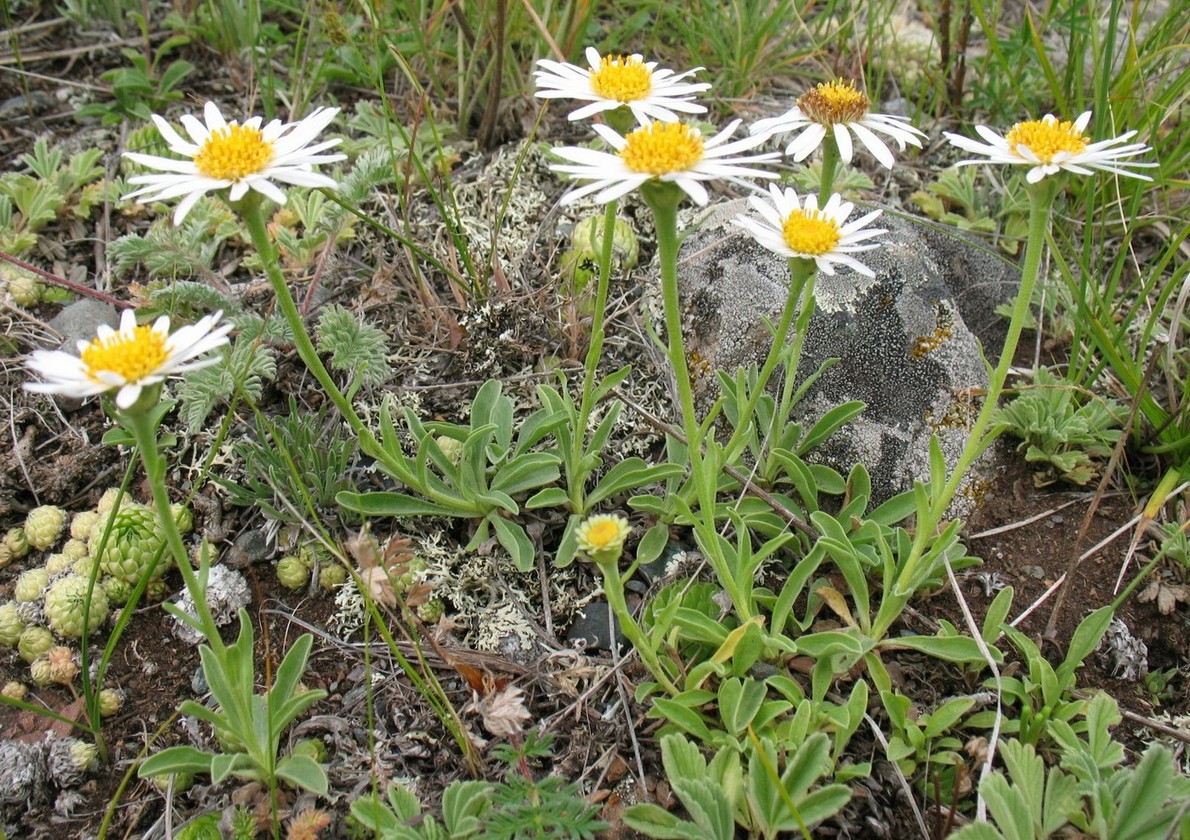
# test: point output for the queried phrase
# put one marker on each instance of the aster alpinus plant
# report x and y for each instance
(132, 363)
(666, 162)
(623, 90)
(1050, 148)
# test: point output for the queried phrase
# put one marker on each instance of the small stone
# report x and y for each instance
(592, 628)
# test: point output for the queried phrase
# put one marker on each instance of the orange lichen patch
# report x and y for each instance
(698, 365)
(923, 345)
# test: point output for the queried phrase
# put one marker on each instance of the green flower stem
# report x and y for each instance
(830, 167)
(141, 426)
(1041, 200)
(249, 207)
(662, 198)
(802, 274)
(806, 272)
(613, 588)
(594, 351)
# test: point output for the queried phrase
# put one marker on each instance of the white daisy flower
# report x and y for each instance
(843, 110)
(240, 157)
(673, 152)
(799, 229)
(1048, 145)
(129, 359)
(615, 81)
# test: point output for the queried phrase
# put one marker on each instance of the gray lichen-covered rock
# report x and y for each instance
(908, 340)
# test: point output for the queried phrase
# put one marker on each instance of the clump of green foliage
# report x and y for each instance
(518, 806)
(293, 466)
(1067, 438)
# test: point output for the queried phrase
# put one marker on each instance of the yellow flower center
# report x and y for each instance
(132, 356)
(1046, 138)
(622, 78)
(661, 148)
(604, 533)
(834, 102)
(233, 152)
(810, 232)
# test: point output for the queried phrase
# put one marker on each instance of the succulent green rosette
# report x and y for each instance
(11, 624)
(30, 585)
(44, 525)
(65, 602)
(134, 542)
(33, 642)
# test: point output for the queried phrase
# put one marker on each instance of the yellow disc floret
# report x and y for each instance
(622, 78)
(1046, 138)
(233, 152)
(602, 535)
(834, 102)
(661, 148)
(133, 356)
(810, 232)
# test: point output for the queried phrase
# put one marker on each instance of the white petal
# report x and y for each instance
(186, 205)
(872, 144)
(214, 119)
(843, 140)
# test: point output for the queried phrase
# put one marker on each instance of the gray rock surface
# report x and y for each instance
(909, 340)
(77, 321)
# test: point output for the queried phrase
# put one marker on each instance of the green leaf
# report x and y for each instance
(829, 423)
(381, 503)
(372, 814)
(708, 806)
(610, 381)
(829, 642)
(960, 649)
(977, 831)
(223, 765)
(739, 701)
(1085, 639)
(947, 715)
(684, 718)
(824, 802)
(698, 626)
(463, 803)
(304, 772)
(526, 472)
(629, 475)
(1009, 807)
(654, 821)
(515, 541)
(180, 759)
(994, 617)
(547, 497)
(895, 510)
(681, 758)
(652, 543)
(290, 671)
